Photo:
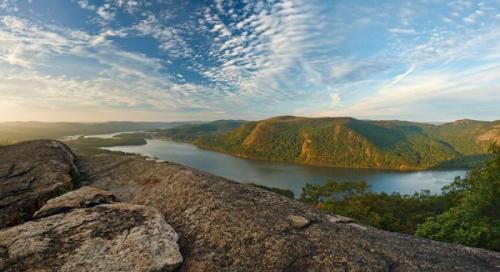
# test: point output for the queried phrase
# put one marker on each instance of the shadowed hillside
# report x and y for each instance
(347, 142)
(191, 132)
(134, 214)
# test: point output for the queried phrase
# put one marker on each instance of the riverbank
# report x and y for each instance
(289, 176)
(87, 145)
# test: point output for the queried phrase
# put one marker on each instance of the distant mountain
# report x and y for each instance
(469, 137)
(347, 142)
(192, 132)
(11, 132)
(338, 142)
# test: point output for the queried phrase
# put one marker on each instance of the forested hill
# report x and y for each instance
(12, 132)
(193, 132)
(348, 142)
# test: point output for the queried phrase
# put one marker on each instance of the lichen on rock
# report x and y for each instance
(30, 174)
(102, 237)
(84, 197)
(220, 225)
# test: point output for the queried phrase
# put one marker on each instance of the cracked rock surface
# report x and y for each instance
(227, 226)
(82, 198)
(220, 225)
(30, 174)
(100, 236)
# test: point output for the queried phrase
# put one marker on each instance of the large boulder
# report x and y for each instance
(30, 174)
(227, 226)
(100, 235)
(84, 197)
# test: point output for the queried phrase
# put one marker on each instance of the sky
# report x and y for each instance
(165, 60)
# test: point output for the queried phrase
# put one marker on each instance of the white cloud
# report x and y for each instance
(122, 80)
(448, 20)
(102, 38)
(351, 70)
(396, 79)
(406, 13)
(261, 50)
(265, 56)
(105, 13)
(17, 56)
(402, 30)
(336, 101)
(84, 4)
(170, 39)
(8, 6)
(470, 19)
(431, 94)
(342, 69)
(23, 43)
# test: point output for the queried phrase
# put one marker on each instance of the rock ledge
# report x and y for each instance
(103, 237)
(220, 225)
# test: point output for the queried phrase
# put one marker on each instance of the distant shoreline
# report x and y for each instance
(396, 170)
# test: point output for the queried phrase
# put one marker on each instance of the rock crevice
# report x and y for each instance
(227, 226)
(32, 173)
(87, 230)
(220, 225)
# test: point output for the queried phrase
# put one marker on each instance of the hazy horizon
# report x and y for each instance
(210, 120)
(110, 60)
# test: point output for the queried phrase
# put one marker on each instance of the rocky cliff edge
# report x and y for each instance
(135, 214)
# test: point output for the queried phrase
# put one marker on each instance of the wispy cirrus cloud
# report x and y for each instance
(248, 59)
(168, 37)
(402, 30)
(120, 79)
(446, 81)
(257, 51)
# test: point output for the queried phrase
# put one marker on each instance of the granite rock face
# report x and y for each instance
(227, 226)
(221, 225)
(30, 174)
(84, 197)
(97, 237)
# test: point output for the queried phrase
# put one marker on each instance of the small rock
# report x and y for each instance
(84, 197)
(298, 221)
(338, 219)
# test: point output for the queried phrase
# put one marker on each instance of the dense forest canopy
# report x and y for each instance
(346, 142)
(338, 142)
(467, 212)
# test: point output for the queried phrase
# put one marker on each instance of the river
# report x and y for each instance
(290, 176)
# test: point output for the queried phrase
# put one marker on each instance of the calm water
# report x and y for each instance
(290, 176)
(110, 135)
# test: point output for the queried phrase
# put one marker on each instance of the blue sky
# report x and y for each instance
(78, 60)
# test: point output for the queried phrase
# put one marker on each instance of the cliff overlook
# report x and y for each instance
(67, 213)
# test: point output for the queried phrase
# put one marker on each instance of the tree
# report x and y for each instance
(332, 191)
(475, 220)
(393, 212)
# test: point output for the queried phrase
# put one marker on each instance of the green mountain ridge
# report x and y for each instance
(192, 132)
(347, 142)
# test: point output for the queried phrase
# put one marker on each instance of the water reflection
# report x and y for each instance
(290, 176)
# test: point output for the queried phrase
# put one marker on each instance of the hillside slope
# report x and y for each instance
(469, 137)
(191, 132)
(218, 224)
(348, 142)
